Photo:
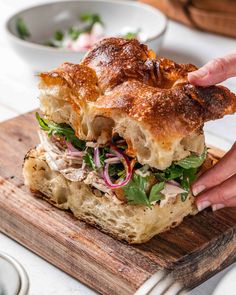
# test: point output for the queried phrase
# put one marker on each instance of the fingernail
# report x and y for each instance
(197, 189)
(217, 207)
(200, 73)
(203, 205)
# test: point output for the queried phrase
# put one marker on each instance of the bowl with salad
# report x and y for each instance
(50, 34)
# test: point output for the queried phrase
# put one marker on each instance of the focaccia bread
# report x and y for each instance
(122, 140)
(132, 223)
(119, 88)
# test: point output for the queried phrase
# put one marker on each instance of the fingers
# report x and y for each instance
(214, 71)
(225, 168)
(220, 196)
(229, 203)
(217, 187)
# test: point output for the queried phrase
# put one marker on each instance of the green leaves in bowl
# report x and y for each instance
(22, 30)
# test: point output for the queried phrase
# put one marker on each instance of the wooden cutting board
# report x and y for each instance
(191, 253)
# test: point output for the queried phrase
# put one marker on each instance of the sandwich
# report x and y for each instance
(121, 139)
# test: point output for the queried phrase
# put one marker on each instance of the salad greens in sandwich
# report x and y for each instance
(121, 139)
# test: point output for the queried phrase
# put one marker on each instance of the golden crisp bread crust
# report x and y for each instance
(121, 75)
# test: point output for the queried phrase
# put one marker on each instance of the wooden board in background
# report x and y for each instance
(194, 251)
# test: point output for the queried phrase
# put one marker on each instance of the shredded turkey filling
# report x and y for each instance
(108, 169)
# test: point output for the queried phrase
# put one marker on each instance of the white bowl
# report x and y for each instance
(13, 278)
(43, 20)
(227, 285)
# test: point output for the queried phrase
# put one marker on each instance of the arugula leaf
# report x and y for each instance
(91, 17)
(102, 157)
(112, 170)
(123, 146)
(184, 197)
(189, 175)
(170, 173)
(43, 123)
(155, 194)
(130, 35)
(74, 33)
(58, 35)
(116, 171)
(22, 29)
(102, 154)
(88, 159)
(192, 161)
(173, 172)
(61, 130)
(135, 191)
(185, 185)
(184, 171)
(121, 173)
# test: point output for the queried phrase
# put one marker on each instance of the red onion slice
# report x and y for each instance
(173, 182)
(59, 141)
(96, 158)
(114, 160)
(109, 155)
(72, 151)
(127, 166)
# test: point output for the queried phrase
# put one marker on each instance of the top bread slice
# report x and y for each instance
(121, 88)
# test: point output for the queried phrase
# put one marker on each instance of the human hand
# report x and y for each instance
(217, 186)
(215, 71)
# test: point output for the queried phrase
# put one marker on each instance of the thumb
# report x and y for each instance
(214, 71)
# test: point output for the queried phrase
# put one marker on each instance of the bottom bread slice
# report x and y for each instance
(133, 223)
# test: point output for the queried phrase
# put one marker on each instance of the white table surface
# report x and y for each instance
(19, 94)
